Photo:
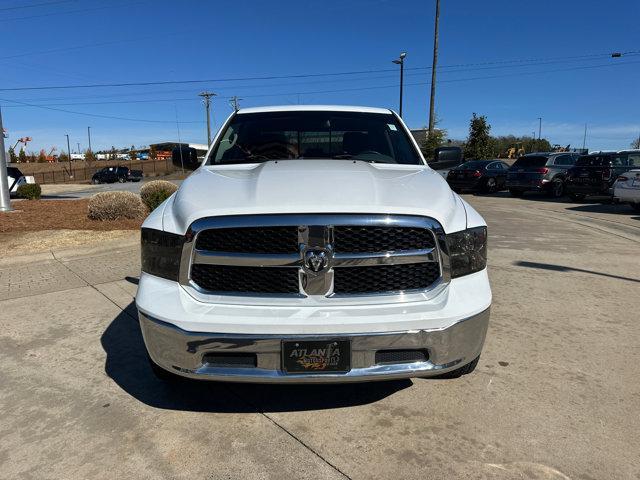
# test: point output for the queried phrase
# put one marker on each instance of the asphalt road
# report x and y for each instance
(555, 396)
(74, 191)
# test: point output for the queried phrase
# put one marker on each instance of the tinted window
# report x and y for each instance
(563, 160)
(473, 165)
(530, 162)
(447, 154)
(260, 137)
(593, 161)
(634, 159)
(13, 172)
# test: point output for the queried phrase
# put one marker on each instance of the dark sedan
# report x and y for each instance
(478, 176)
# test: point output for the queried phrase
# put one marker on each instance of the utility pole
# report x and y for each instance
(234, 103)
(584, 139)
(78, 143)
(400, 61)
(432, 114)
(206, 98)
(69, 153)
(5, 202)
(89, 135)
(539, 128)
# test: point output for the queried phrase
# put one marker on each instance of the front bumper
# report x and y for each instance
(182, 352)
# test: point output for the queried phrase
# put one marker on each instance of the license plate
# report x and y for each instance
(316, 356)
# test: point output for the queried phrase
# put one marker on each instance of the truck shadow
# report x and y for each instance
(127, 365)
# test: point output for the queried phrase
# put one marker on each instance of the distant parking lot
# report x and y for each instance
(553, 397)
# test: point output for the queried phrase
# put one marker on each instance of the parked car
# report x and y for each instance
(595, 174)
(313, 244)
(479, 176)
(626, 189)
(446, 157)
(116, 174)
(15, 178)
(540, 172)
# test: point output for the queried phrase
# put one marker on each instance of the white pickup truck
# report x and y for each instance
(313, 244)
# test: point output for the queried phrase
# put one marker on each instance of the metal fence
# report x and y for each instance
(78, 174)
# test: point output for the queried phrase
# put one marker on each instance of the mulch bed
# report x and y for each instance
(35, 215)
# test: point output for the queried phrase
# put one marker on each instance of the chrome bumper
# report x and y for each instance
(182, 352)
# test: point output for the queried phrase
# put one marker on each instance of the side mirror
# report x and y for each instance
(185, 157)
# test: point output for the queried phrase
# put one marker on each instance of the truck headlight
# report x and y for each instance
(467, 251)
(161, 253)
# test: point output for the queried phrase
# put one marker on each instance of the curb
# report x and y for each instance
(72, 253)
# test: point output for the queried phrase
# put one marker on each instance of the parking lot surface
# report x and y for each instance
(555, 395)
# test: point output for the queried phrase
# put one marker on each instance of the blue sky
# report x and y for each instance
(517, 61)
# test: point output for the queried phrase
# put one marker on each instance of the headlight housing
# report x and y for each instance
(467, 251)
(161, 253)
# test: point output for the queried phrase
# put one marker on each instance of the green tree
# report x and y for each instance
(13, 158)
(42, 156)
(113, 154)
(22, 157)
(63, 157)
(478, 144)
(89, 157)
(153, 153)
(132, 153)
(636, 143)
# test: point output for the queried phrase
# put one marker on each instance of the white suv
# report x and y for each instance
(313, 244)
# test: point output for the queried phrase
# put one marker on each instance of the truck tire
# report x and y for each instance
(490, 186)
(515, 193)
(122, 180)
(468, 368)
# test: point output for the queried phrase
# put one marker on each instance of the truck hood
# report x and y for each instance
(313, 186)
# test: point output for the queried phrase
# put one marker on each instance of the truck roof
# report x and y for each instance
(313, 108)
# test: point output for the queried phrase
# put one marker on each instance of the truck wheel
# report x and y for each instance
(557, 188)
(468, 368)
(515, 193)
(162, 374)
(122, 180)
(95, 181)
(577, 197)
(490, 186)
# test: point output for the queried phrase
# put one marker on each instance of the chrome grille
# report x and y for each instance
(330, 255)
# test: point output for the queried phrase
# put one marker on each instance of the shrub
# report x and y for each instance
(155, 192)
(115, 206)
(30, 191)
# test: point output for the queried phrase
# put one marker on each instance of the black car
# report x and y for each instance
(540, 172)
(478, 175)
(595, 174)
(116, 174)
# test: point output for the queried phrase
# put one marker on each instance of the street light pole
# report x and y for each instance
(584, 139)
(69, 153)
(400, 61)
(5, 201)
(89, 135)
(432, 115)
(539, 128)
(207, 103)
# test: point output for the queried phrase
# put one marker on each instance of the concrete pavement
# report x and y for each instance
(555, 394)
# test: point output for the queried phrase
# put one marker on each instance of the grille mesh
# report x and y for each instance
(216, 278)
(249, 240)
(353, 239)
(386, 278)
(400, 356)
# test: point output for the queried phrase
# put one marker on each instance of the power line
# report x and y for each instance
(36, 5)
(72, 11)
(93, 114)
(272, 77)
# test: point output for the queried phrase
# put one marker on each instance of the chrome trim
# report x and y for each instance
(315, 232)
(384, 258)
(182, 352)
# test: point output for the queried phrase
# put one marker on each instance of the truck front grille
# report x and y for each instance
(387, 278)
(319, 255)
(218, 278)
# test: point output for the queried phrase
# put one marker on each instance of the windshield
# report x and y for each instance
(260, 137)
